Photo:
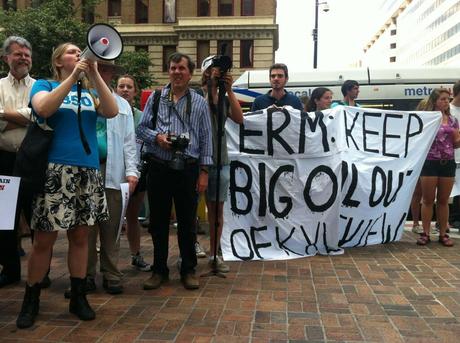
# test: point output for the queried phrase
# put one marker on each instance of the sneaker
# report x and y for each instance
(138, 262)
(221, 266)
(199, 250)
(417, 229)
(190, 281)
(155, 281)
(112, 286)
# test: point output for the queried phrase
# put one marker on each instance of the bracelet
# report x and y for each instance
(205, 170)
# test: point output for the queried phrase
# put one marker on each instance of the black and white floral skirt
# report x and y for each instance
(73, 196)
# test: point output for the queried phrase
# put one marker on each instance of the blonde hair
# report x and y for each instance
(434, 96)
(56, 56)
(421, 105)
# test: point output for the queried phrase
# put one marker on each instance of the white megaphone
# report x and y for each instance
(103, 43)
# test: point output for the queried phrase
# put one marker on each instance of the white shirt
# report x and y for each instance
(121, 146)
(14, 95)
(455, 112)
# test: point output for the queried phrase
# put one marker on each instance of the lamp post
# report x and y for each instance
(315, 31)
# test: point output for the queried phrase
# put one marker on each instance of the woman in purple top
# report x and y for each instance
(438, 172)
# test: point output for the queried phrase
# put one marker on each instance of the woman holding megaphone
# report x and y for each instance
(73, 197)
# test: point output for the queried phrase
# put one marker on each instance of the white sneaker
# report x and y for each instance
(221, 266)
(200, 253)
(417, 229)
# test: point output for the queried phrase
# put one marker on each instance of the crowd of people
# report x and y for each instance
(100, 141)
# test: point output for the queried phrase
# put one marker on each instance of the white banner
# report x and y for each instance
(308, 183)
(9, 189)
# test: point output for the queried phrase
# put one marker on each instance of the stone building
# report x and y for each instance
(198, 28)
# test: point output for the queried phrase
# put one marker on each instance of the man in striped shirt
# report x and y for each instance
(178, 148)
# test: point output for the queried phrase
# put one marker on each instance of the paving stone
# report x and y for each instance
(397, 292)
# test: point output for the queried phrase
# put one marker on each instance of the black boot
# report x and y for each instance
(78, 304)
(30, 306)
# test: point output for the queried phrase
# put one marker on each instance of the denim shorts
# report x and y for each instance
(212, 183)
(440, 168)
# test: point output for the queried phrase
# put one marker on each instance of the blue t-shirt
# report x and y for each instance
(67, 147)
(266, 100)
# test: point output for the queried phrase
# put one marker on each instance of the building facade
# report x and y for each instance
(417, 32)
(247, 30)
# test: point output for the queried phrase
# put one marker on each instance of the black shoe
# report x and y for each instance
(90, 287)
(112, 286)
(30, 307)
(78, 304)
(5, 280)
(46, 282)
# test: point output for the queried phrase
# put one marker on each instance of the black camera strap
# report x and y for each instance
(83, 139)
(156, 104)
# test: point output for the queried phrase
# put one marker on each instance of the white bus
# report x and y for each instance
(395, 88)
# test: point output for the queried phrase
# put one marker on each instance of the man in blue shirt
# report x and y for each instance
(178, 146)
(277, 96)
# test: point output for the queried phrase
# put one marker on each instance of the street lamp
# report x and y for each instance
(315, 30)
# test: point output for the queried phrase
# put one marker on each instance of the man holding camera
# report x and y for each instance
(178, 145)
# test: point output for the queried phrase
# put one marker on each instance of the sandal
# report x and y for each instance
(446, 241)
(424, 239)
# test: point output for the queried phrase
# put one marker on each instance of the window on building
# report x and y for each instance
(225, 47)
(114, 9)
(246, 53)
(167, 51)
(393, 59)
(203, 8)
(87, 14)
(247, 7)
(141, 48)
(393, 32)
(393, 46)
(202, 51)
(225, 8)
(169, 11)
(9, 5)
(142, 11)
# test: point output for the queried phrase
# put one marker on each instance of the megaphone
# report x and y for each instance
(103, 43)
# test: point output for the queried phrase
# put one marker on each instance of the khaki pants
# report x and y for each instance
(110, 247)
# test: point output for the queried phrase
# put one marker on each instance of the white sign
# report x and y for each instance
(308, 183)
(124, 189)
(9, 189)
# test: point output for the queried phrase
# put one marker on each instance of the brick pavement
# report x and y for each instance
(397, 292)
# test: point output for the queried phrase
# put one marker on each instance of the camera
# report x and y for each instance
(143, 165)
(223, 62)
(178, 146)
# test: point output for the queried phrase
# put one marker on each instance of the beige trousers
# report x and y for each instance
(109, 246)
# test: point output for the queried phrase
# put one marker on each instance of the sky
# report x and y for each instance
(342, 32)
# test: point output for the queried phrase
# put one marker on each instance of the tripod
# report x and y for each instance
(220, 132)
